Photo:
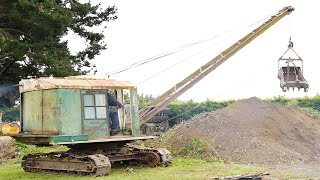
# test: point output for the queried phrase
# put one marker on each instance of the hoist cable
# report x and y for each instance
(162, 55)
(185, 59)
(290, 27)
(179, 62)
(158, 57)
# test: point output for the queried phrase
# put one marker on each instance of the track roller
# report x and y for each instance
(150, 156)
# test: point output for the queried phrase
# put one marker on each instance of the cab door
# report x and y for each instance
(95, 116)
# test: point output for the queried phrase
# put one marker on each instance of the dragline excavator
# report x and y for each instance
(290, 75)
(73, 111)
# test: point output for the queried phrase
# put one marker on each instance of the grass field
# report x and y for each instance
(180, 169)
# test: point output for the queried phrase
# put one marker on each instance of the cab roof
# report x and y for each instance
(73, 82)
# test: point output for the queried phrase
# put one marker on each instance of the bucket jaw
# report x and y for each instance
(290, 71)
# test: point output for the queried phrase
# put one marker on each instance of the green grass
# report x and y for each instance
(288, 175)
(180, 169)
(27, 149)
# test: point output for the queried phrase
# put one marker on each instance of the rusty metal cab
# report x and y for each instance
(73, 109)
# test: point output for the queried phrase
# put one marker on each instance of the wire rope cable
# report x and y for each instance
(157, 57)
(136, 64)
(198, 52)
(179, 62)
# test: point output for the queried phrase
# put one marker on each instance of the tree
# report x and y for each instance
(31, 32)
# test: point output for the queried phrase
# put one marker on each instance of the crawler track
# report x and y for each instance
(150, 156)
(66, 163)
(94, 160)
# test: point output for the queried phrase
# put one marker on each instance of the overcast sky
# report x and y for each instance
(147, 28)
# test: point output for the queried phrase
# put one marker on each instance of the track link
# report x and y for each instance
(150, 156)
(67, 163)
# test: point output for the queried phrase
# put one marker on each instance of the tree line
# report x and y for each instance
(184, 110)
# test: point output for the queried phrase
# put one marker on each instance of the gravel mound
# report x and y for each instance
(253, 131)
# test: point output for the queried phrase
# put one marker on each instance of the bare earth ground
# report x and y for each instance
(253, 131)
(7, 151)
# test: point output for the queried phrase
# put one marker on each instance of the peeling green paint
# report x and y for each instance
(135, 112)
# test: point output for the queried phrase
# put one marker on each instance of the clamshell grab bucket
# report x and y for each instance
(290, 71)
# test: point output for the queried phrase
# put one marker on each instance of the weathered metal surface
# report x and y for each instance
(134, 113)
(107, 140)
(46, 139)
(96, 123)
(122, 151)
(58, 139)
(96, 128)
(94, 159)
(69, 112)
(71, 83)
(121, 113)
(290, 70)
(292, 77)
(150, 156)
(67, 163)
(32, 112)
(56, 106)
(49, 111)
(54, 111)
(31, 139)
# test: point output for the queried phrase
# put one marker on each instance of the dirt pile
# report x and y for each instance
(253, 131)
(7, 151)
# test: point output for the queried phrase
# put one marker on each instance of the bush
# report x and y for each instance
(309, 104)
(184, 110)
(11, 114)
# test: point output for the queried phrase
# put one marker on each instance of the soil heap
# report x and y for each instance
(7, 150)
(253, 131)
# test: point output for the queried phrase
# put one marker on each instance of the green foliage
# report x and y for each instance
(144, 100)
(11, 114)
(194, 148)
(31, 33)
(308, 104)
(280, 100)
(183, 110)
(313, 112)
